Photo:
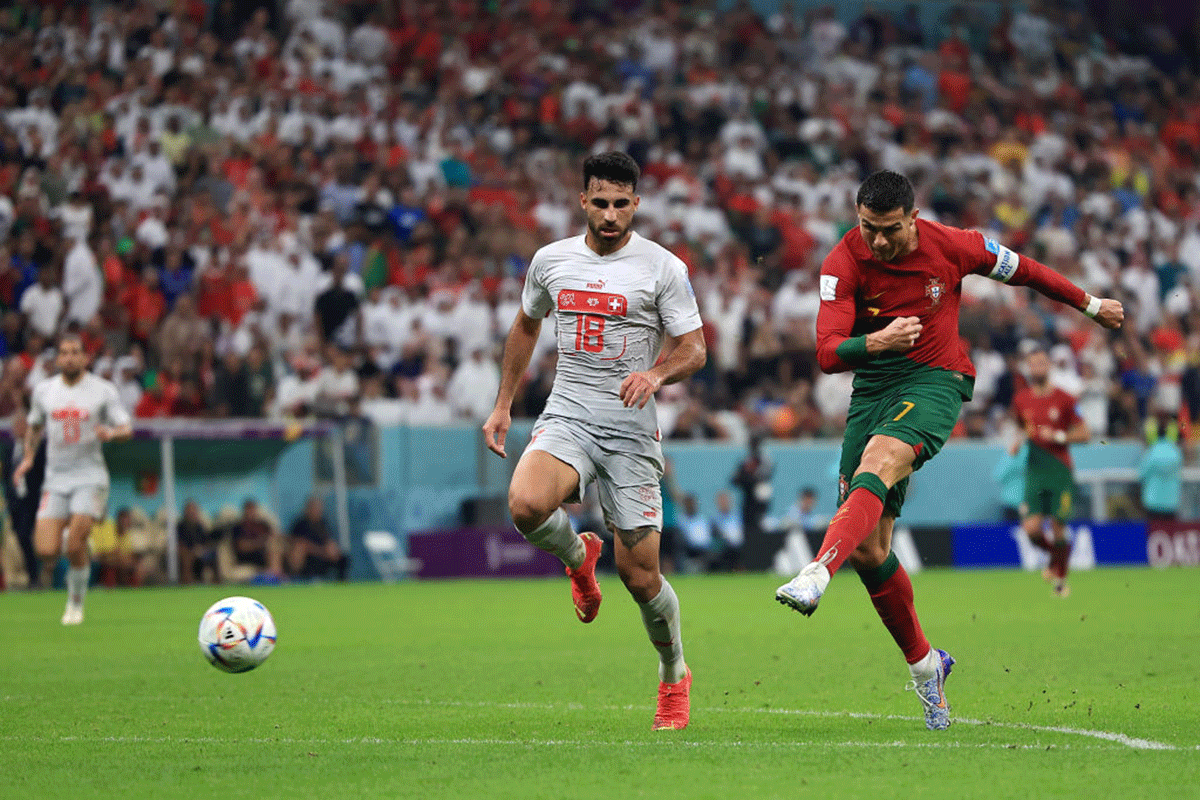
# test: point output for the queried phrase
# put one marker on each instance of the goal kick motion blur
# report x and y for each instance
(890, 293)
(615, 296)
(79, 412)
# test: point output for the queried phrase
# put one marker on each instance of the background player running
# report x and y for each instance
(615, 295)
(890, 293)
(1047, 416)
(80, 411)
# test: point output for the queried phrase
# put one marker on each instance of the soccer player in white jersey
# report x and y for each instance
(79, 411)
(615, 295)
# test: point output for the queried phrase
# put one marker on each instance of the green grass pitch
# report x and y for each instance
(494, 690)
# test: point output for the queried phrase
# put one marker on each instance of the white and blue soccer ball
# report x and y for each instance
(237, 634)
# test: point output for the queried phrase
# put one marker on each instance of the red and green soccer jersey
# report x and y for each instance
(860, 295)
(1046, 414)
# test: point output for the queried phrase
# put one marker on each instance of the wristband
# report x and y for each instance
(1093, 306)
(1060, 437)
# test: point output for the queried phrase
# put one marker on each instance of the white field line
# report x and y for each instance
(575, 743)
(1117, 738)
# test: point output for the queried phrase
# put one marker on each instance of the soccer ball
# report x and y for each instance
(237, 634)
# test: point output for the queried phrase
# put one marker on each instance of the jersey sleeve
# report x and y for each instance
(536, 301)
(837, 350)
(37, 406)
(988, 257)
(115, 412)
(677, 299)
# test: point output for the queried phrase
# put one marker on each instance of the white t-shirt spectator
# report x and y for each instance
(76, 220)
(473, 386)
(82, 284)
(336, 389)
(152, 233)
(42, 307)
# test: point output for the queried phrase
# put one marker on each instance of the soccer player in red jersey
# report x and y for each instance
(1048, 418)
(890, 293)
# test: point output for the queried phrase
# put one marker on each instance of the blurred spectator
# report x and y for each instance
(473, 386)
(312, 549)
(336, 383)
(43, 304)
(1161, 470)
(255, 541)
(197, 546)
(753, 477)
(730, 533)
(82, 285)
(700, 544)
(22, 498)
(113, 548)
(803, 516)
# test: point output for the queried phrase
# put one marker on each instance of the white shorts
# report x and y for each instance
(90, 501)
(626, 469)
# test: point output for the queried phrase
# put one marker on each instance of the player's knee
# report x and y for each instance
(868, 555)
(643, 584)
(46, 551)
(527, 509)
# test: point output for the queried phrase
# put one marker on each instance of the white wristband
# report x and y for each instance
(1060, 437)
(1093, 306)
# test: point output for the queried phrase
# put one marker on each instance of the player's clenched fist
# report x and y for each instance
(1111, 313)
(638, 388)
(900, 334)
(496, 429)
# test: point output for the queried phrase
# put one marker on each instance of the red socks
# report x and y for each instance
(891, 591)
(854, 521)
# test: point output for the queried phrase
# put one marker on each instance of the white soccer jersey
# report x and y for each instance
(71, 414)
(612, 313)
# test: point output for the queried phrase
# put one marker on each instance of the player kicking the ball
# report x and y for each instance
(79, 411)
(889, 310)
(615, 295)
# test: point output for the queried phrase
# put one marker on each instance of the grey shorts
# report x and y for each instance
(626, 469)
(90, 501)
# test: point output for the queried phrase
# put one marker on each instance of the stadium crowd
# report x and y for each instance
(327, 207)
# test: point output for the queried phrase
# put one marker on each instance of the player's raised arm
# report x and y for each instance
(518, 349)
(1004, 265)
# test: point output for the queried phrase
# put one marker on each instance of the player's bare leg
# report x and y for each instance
(636, 555)
(891, 592)
(540, 485)
(47, 543)
(885, 461)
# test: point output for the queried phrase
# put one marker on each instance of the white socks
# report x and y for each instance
(661, 618)
(556, 536)
(77, 581)
(926, 668)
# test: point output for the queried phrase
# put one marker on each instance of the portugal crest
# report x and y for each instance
(934, 291)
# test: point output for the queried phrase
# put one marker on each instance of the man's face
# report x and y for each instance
(609, 207)
(1038, 364)
(71, 358)
(889, 235)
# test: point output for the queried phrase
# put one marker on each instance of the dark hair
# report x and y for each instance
(69, 336)
(614, 167)
(884, 191)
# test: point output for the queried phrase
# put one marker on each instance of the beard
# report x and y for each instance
(607, 242)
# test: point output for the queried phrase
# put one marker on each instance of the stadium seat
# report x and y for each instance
(387, 556)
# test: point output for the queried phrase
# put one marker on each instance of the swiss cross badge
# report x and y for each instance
(934, 291)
